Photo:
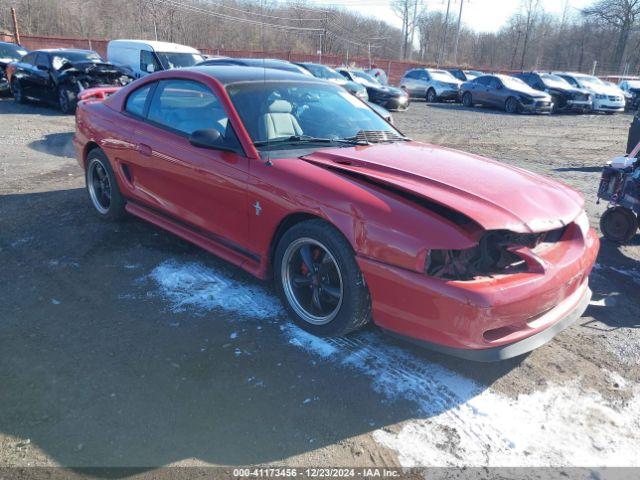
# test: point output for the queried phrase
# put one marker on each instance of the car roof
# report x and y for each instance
(156, 45)
(55, 50)
(228, 74)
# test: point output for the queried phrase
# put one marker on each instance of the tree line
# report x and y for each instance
(604, 35)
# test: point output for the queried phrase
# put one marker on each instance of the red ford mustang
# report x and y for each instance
(291, 177)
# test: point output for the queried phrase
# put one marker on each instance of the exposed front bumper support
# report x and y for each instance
(511, 350)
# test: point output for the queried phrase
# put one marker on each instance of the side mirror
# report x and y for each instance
(151, 68)
(209, 138)
(44, 68)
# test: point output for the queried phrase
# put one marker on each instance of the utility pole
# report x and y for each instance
(593, 70)
(455, 47)
(444, 34)
(16, 31)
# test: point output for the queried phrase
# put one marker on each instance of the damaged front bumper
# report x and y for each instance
(492, 318)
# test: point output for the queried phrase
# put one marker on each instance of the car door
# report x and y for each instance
(480, 90)
(408, 82)
(24, 74)
(203, 188)
(423, 83)
(497, 93)
(42, 83)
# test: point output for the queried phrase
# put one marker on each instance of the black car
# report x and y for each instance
(57, 76)
(631, 89)
(390, 98)
(330, 75)
(566, 97)
(9, 52)
(505, 92)
(464, 75)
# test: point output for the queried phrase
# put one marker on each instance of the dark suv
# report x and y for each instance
(566, 97)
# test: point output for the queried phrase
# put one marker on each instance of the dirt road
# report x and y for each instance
(121, 345)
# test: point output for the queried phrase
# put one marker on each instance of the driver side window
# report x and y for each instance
(185, 106)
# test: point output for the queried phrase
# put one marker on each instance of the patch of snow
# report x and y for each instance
(194, 285)
(457, 421)
(233, 335)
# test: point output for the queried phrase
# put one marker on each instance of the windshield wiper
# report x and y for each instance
(295, 139)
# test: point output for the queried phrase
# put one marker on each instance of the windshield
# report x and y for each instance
(272, 111)
(178, 60)
(514, 83)
(60, 58)
(554, 81)
(10, 51)
(365, 77)
(589, 82)
(320, 71)
(442, 76)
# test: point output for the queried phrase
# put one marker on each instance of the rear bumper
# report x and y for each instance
(487, 315)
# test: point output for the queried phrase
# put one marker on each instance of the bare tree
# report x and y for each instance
(407, 11)
(531, 8)
(622, 15)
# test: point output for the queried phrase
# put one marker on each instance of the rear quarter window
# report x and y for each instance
(137, 101)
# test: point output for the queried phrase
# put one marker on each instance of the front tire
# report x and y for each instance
(511, 106)
(467, 100)
(67, 100)
(619, 224)
(16, 91)
(102, 187)
(319, 280)
(431, 96)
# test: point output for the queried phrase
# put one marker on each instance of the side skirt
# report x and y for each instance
(209, 242)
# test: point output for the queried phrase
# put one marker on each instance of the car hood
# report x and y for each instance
(385, 89)
(526, 90)
(92, 67)
(4, 61)
(494, 195)
(605, 90)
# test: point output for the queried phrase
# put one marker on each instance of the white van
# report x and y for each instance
(144, 56)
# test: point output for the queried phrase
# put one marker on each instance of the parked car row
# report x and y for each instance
(535, 92)
(58, 76)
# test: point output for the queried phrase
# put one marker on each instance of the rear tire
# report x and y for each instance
(467, 100)
(511, 106)
(102, 187)
(431, 96)
(67, 100)
(330, 298)
(619, 224)
(16, 91)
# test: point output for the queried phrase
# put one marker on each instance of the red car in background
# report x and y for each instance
(291, 177)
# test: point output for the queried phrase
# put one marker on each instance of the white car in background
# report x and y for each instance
(606, 97)
(143, 57)
(431, 84)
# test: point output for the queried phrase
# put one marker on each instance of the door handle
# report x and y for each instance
(144, 149)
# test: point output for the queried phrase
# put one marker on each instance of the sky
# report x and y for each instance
(480, 15)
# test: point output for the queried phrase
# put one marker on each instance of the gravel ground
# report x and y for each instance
(122, 345)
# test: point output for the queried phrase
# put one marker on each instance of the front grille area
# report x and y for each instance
(613, 98)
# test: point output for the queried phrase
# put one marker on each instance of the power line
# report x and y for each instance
(193, 8)
(266, 15)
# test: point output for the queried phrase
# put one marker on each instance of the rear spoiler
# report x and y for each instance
(97, 93)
